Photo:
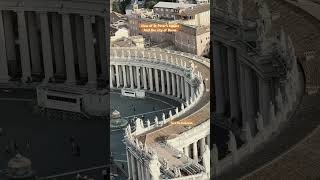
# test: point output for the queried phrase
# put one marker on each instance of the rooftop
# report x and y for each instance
(193, 10)
(172, 5)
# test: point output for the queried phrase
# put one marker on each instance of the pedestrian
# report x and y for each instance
(73, 147)
(28, 145)
(78, 150)
(15, 146)
(7, 149)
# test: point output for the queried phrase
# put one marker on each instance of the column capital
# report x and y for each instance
(88, 17)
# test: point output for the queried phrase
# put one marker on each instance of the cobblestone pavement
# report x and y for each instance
(49, 138)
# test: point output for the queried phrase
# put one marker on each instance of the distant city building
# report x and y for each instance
(169, 10)
(121, 38)
(193, 19)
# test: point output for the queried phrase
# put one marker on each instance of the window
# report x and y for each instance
(171, 10)
(161, 9)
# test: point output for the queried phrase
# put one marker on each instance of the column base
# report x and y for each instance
(4, 79)
(72, 83)
(91, 84)
(48, 80)
(26, 79)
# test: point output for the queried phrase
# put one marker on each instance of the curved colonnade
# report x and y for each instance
(256, 88)
(158, 149)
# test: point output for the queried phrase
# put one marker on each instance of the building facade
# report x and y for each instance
(193, 35)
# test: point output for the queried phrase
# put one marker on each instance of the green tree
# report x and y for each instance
(150, 4)
(116, 7)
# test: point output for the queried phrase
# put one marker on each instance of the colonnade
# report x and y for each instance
(240, 92)
(137, 170)
(152, 79)
(197, 148)
(50, 45)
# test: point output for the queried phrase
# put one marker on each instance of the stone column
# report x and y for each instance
(250, 98)
(133, 168)
(243, 89)
(142, 172)
(81, 49)
(117, 76)
(128, 75)
(163, 86)
(192, 91)
(150, 79)
(102, 45)
(90, 51)
(178, 86)
(186, 88)
(218, 78)
(46, 47)
(68, 49)
(168, 83)
(195, 151)
(144, 78)
(111, 76)
(202, 145)
(129, 164)
(24, 46)
(233, 84)
(146, 173)
(131, 77)
(182, 87)
(156, 76)
(187, 150)
(173, 81)
(124, 76)
(10, 41)
(34, 42)
(57, 40)
(4, 77)
(139, 170)
(264, 99)
(138, 77)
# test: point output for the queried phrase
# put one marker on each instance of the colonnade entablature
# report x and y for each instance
(93, 8)
(168, 72)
